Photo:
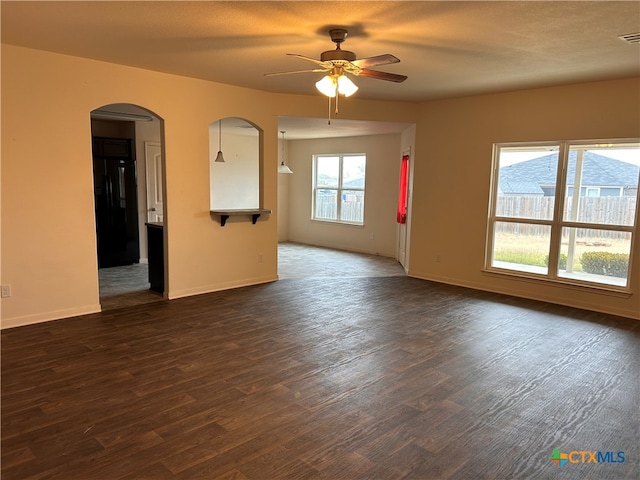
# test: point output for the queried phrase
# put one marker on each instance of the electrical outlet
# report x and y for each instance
(438, 258)
(260, 258)
(372, 236)
(6, 291)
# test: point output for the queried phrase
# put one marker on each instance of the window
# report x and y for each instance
(565, 211)
(338, 188)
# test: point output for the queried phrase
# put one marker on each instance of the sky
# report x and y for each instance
(629, 155)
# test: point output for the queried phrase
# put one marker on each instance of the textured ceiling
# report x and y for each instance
(447, 49)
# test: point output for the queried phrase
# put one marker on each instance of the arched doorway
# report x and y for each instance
(127, 165)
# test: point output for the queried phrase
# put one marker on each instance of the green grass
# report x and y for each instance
(535, 259)
(520, 257)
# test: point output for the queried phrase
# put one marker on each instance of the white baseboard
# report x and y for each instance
(220, 286)
(48, 316)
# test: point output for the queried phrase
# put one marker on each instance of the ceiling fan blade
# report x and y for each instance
(385, 59)
(313, 70)
(319, 62)
(391, 77)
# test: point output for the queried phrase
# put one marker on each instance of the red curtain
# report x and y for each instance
(402, 196)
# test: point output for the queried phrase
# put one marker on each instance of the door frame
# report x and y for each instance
(154, 182)
(144, 119)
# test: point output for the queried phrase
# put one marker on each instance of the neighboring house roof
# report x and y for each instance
(598, 171)
(355, 183)
(516, 187)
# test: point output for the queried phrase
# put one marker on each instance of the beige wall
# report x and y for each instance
(453, 168)
(284, 180)
(378, 235)
(48, 227)
(48, 245)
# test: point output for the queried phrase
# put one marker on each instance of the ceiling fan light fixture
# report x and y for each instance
(327, 86)
(345, 86)
(331, 85)
(338, 62)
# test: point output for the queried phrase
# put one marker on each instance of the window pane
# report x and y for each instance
(521, 246)
(527, 182)
(326, 204)
(602, 185)
(327, 171)
(352, 206)
(353, 171)
(592, 255)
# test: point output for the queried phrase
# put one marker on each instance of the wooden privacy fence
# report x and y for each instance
(351, 210)
(598, 210)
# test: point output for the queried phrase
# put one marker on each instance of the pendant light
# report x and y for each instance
(283, 168)
(219, 157)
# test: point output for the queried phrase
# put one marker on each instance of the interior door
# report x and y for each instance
(153, 157)
(402, 227)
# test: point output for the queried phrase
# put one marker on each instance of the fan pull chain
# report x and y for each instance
(336, 110)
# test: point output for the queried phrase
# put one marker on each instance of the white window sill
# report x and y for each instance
(337, 222)
(576, 280)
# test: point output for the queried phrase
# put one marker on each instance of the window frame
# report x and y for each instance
(339, 189)
(557, 223)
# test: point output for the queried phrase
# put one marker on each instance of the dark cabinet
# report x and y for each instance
(155, 252)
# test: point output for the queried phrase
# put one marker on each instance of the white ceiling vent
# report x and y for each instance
(630, 37)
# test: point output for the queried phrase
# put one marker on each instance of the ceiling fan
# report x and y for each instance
(338, 62)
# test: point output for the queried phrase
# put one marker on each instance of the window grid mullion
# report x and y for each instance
(492, 209)
(598, 226)
(558, 211)
(339, 191)
(529, 221)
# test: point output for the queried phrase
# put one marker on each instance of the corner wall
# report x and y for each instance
(48, 238)
(378, 235)
(453, 172)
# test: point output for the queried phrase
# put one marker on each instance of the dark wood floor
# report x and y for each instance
(376, 378)
(128, 285)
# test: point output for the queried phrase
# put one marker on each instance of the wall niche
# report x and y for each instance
(235, 169)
